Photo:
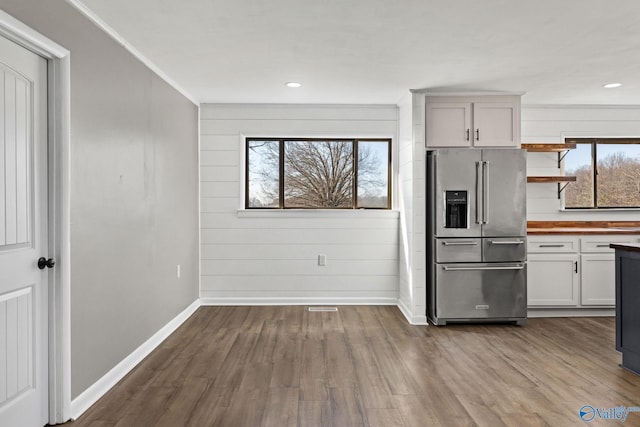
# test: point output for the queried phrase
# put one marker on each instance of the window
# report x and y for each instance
(307, 173)
(607, 172)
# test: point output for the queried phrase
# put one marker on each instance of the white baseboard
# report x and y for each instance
(411, 318)
(570, 312)
(297, 301)
(91, 395)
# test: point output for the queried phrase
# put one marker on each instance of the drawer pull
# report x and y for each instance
(506, 242)
(459, 243)
(606, 245)
(552, 246)
(506, 267)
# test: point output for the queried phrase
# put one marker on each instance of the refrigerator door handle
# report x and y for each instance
(506, 242)
(459, 243)
(478, 221)
(485, 192)
(515, 267)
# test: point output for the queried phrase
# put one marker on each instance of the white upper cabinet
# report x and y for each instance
(448, 124)
(462, 121)
(495, 124)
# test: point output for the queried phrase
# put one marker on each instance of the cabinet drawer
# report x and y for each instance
(557, 245)
(601, 243)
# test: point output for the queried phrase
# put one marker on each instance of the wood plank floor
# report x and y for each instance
(366, 366)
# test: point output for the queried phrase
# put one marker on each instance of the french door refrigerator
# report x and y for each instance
(476, 235)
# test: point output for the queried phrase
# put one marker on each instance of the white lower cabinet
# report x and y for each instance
(571, 271)
(552, 280)
(598, 279)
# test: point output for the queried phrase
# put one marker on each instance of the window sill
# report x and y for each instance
(318, 213)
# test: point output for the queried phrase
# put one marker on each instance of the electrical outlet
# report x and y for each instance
(322, 260)
(178, 271)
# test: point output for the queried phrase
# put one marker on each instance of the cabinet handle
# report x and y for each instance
(467, 134)
(503, 267)
(606, 245)
(505, 242)
(485, 193)
(551, 246)
(459, 243)
(575, 268)
(477, 134)
(478, 221)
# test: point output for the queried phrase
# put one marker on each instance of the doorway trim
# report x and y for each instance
(59, 139)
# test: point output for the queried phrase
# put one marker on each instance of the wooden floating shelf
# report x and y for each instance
(551, 179)
(551, 148)
(548, 148)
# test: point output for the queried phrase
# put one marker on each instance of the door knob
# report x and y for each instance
(43, 262)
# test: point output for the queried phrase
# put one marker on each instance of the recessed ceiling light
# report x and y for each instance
(293, 84)
(612, 85)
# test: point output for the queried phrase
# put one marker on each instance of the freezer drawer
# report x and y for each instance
(504, 249)
(458, 250)
(480, 292)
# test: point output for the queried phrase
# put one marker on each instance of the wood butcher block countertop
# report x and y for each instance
(582, 227)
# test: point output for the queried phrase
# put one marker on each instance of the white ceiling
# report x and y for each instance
(373, 51)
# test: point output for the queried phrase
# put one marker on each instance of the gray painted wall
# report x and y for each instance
(134, 193)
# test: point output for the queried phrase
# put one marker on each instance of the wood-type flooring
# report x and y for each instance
(366, 366)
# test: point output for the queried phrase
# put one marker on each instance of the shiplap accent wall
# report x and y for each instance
(411, 178)
(419, 273)
(271, 257)
(551, 124)
(405, 204)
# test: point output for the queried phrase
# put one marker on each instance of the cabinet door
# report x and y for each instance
(495, 124)
(552, 280)
(448, 124)
(598, 279)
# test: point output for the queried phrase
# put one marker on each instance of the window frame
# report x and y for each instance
(281, 172)
(594, 170)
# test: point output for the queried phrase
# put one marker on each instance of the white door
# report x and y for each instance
(23, 237)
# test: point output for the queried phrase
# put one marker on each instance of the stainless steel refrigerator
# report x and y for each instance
(476, 235)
